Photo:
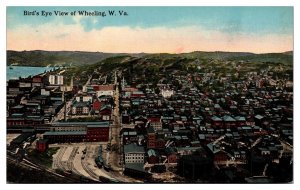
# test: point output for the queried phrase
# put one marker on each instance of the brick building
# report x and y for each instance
(151, 137)
(78, 132)
(41, 145)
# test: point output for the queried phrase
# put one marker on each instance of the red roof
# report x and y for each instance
(130, 89)
(154, 119)
(103, 87)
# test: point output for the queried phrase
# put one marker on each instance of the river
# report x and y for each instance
(14, 72)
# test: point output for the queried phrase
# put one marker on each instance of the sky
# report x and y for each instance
(153, 29)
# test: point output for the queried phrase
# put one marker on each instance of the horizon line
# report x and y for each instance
(221, 51)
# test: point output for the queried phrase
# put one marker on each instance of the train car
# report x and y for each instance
(99, 161)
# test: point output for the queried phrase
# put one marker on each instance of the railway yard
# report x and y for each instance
(71, 162)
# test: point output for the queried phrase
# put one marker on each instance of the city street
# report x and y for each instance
(114, 155)
(61, 113)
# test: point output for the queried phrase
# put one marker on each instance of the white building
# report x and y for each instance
(74, 110)
(155, 123)
(166, 93)
(134, 154)
(80, 108)
(85, 110)
(60, 79)
(45, 92)
(56, 80)
(107, 90)
(84, 98)
(52, 79)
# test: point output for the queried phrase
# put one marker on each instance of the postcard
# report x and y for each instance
(158, 94)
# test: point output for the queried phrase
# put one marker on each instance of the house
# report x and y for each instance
(33, 108)
(229, 122)
(130, 137)
(152, 156)
(80, 108)
(96, 106)
(17, 109)
(195, 143)
(140, 120)
(105, 109)
(197, 120)
(84, 98)
(217, 154)
(125, 118)
(137, 94)
(34, 119)
(155, 122)
(38, 81)
(171, 155)
(259, 119)
(216, 122)
(160, 143)
(188, 150)
(134, 154)
(106, 99)
(107, 90)
(240, 120)
(202, 138)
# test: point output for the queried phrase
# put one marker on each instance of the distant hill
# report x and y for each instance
(51, 58)
(220, 55)
(284, 58)
(288, 52)
(44, 58)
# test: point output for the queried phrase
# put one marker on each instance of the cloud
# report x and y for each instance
(133, 40)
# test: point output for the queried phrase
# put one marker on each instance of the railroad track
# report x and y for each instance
(85, 164)
(57, 162)
(89, 170)
(71, 159)
(24, 163)
(28, 164)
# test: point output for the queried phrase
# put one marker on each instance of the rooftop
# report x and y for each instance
(213, 148)
(228, 118)
(54, 133)
(151, 152)
(135, 166)
(88, 124)
(133, 148)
